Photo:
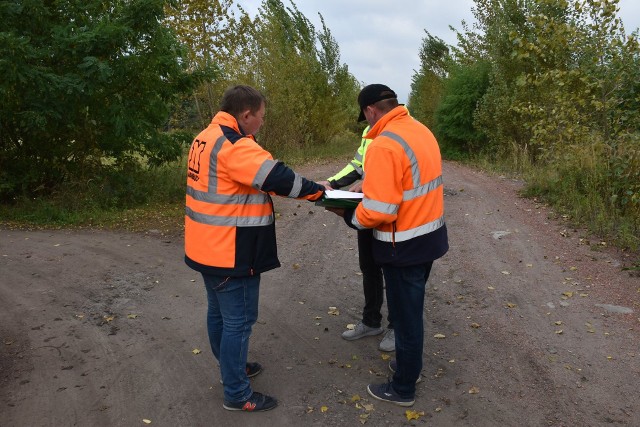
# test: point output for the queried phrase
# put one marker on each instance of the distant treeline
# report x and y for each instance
(96, 91)
(551, 88)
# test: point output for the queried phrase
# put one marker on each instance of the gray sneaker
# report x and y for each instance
(388, 343)
(361, 330)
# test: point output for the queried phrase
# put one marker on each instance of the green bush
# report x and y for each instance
(454, 117)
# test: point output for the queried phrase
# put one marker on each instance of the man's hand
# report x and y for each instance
(325, 184)
(357, 187)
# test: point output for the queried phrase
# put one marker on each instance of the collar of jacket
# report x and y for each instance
(225, 119)
(398, 112)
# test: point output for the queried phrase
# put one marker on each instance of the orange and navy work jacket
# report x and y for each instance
(403, 192)
(229, 220)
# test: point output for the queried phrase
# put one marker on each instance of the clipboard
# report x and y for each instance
(340, 199)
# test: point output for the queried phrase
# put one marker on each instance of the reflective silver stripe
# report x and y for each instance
(356, 223)
(228, 199)
(402, 236)
(422, 190)
(415, 170)
(297, 186)
(239, 221)
(385, 208)
(263, 172)
(213, 164)
(357, 168)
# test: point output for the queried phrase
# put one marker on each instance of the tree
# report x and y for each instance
(212, 37)
(310, 95)
(454, 117)
(86, 86)
(426, 85)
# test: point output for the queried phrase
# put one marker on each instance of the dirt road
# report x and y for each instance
(537, 327)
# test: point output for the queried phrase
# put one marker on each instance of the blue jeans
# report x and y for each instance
(405, 288)
(232, 311)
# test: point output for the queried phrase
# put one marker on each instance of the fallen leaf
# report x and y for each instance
(491, 288)
(196, 351)
(567, 294)
(351, 326)
(439, 336)
(559, 322)
(475, 325)
(368, 407)
(511, 305)
(355, 398)
(559, 331)
(296, 266)
(413, 415)
(505, 272)
(146, 421)
(333, 311)
(474, 390)
(363, 418)
(132, 316)
(109, 318)
(573, 268)
(324, 409)
(385, 356)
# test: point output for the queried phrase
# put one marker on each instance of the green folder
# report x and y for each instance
(338, 203)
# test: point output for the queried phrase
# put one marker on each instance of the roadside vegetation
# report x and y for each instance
(101, 100)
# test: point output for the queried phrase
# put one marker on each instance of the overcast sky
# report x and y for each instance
(380, 39)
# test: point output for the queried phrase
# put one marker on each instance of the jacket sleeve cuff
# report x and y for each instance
(348, 218)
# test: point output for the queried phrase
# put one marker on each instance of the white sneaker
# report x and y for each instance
(361, 330)
(388, 343)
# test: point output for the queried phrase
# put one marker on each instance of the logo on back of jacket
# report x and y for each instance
(194, 159)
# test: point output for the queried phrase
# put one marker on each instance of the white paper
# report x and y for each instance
(341, 194)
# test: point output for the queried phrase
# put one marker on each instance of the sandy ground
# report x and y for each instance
(538, 325)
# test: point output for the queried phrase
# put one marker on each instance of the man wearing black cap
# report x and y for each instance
(404, 205)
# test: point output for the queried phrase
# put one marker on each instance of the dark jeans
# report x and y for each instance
(372, 282)
(405, 299)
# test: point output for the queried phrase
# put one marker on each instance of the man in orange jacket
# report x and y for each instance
(404, 205)
(230, 232)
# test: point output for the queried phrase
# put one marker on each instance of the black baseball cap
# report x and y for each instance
(371, 94)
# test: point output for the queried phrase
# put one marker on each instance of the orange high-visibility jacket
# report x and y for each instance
(403, 192)
(229, 220)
